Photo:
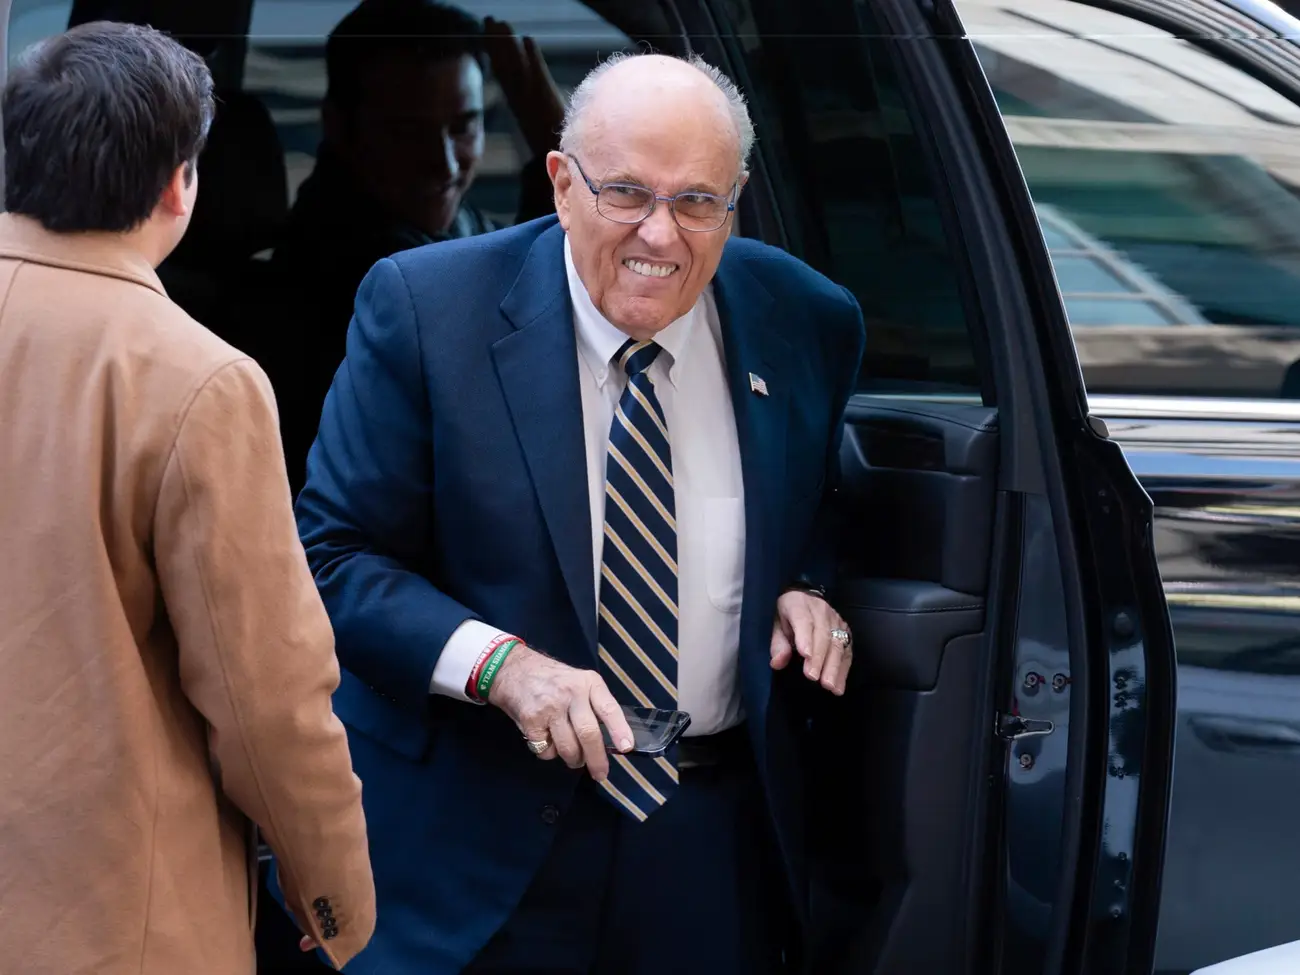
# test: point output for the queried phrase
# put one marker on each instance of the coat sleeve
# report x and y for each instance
(845, 350)
(256, 654)
(365, 514)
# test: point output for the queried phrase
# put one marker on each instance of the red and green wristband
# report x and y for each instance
(488, 665)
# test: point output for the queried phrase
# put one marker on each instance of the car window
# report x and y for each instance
(34, 20)
(1166, 186)
(858, 200)
(285, 68)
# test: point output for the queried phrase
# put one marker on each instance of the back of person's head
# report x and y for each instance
(97, 121)
(376, 30)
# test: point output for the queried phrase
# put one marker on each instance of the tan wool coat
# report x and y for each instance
(166, 664)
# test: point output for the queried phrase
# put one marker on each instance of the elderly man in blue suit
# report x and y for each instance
(582, 463)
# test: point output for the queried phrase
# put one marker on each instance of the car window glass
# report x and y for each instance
(34, 20)
(285, 68)
(858, 200)
(1166, 185)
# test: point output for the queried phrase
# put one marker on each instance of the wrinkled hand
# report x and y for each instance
(803, 624)
(530, 91)
(551, 700)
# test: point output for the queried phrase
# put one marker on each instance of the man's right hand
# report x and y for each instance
(554, 702)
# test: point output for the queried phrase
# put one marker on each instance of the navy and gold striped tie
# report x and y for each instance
(637, 631)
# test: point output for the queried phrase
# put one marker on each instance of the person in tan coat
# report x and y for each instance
(166, 664)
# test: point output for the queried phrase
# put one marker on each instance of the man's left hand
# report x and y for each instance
(530, 91)
(806, 624)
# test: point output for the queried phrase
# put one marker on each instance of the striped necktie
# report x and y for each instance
(637, 630)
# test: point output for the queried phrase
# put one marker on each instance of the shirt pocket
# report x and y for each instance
(724, 535)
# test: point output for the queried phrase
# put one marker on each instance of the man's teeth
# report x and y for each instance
(650, 270)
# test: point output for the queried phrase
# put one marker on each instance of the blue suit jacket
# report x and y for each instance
(448, 482)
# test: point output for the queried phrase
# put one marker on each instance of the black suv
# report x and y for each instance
(1024, 195)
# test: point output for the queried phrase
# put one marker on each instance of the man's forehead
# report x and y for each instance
(664, 161)
(677, 126)
(711, 179)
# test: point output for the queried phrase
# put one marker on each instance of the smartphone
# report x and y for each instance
(654, 730)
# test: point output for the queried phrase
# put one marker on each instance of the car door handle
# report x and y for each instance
(1225, 734)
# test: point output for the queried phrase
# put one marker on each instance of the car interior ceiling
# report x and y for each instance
(894, 791)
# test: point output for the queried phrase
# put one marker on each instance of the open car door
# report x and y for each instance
(991, 794)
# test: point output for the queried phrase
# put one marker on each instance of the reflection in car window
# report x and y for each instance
(857, 197)
(285, 68)
(34, 20)
(1166, 182)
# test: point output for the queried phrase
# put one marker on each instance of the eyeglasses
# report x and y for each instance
(632, 203)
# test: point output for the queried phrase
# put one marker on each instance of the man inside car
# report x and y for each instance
(403, 139)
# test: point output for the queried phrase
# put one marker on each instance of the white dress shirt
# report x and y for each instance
(690, 380)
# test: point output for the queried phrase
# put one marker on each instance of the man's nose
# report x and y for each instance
(659, 230)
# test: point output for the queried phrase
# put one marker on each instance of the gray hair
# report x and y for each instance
(736, 106)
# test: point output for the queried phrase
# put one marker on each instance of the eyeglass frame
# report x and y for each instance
(656, 199)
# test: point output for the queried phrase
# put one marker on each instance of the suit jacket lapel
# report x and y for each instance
(755, 355)
(537, 366)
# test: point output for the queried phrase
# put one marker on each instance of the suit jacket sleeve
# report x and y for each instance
(365, 512)
(256, 654)
(844, 351)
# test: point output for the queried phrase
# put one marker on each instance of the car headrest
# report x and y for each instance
(243, 200)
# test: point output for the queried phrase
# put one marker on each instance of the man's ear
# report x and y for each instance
(557, 167)
(175, 200)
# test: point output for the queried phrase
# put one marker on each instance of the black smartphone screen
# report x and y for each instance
(654, 730)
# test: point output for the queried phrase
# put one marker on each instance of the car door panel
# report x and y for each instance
(920, 486)
(912, 588)
(932, 470)
(889, 871)
(905, 627)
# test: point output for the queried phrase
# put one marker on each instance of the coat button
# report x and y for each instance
(321, 903)
(550, 815)
(329, 934)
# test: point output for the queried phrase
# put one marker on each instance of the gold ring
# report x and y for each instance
(537, 747)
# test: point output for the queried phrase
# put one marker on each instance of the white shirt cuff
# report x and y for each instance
(459, 656)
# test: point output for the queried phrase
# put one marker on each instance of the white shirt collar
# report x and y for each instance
(599, 339)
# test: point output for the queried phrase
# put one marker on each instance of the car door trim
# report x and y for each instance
(1194, 408)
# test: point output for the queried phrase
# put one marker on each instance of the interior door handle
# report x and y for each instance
(1227, 734)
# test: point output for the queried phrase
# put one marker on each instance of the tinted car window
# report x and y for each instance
(1166, 182)
(859, 201)
(33, 20)
(285, 68)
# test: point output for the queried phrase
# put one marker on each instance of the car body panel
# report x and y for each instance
(1227, 498)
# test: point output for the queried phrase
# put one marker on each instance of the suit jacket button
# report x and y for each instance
(550, 815)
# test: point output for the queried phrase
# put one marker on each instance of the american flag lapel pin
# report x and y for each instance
(757, 384)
